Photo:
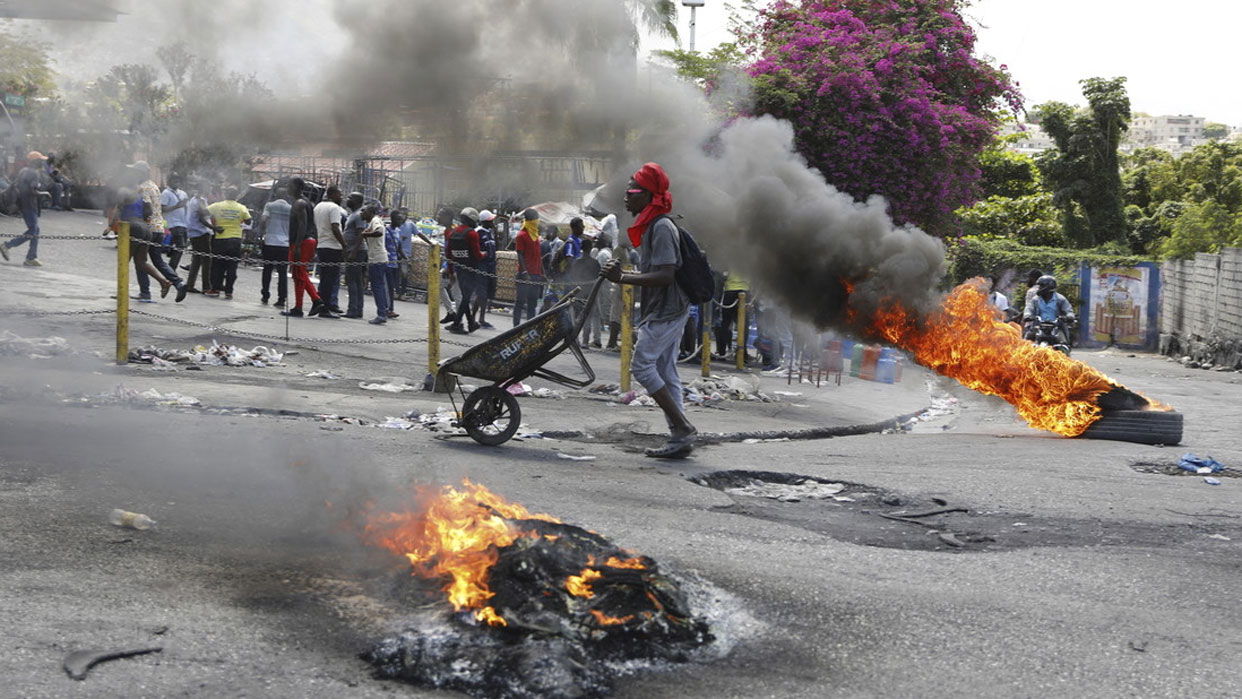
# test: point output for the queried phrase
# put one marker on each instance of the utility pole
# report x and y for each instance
(694, 5)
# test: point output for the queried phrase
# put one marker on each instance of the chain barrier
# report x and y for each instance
(234, 331)
(236, 258)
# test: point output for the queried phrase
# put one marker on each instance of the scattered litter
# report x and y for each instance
(396, 423)
(1211, 481)
(1199, 464)
(339, 418)
(518, 389)
(162, 365)
(720, 388)
(756, 440)
(216, 355)
(611, 389)
(628, 397)
(572, 457)
(12, 345)
(806, 490)
(78, 663)
(1019, 524)
(787, 394)
(130, 520)
(1219, 537)
(321, 374)
(547, 393)
(387, 387)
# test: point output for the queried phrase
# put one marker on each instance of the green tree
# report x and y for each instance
(1215, 130)
(1084, 168)
(24, 66)
(1203, 227)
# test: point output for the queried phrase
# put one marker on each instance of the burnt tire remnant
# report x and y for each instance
(557, 641)
(1139, 426)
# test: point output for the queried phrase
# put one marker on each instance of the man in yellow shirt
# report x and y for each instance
(229, 217)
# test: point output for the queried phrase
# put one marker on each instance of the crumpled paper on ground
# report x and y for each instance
(120, 394)
(806, 490)
(216, 355)
(12, 345)
(387, 385)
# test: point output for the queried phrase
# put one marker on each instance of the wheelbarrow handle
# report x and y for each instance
(586, 309)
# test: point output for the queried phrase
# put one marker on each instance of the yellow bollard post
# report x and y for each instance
(627, 334)
(433, 309)
(743, 332)
(122, 294)
(705, 313)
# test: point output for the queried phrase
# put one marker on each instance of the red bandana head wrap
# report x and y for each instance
(651, 177)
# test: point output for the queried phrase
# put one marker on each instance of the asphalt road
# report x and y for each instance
(1112, 581)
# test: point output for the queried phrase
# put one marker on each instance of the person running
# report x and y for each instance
(133, 210)
(665, 306)
(29, 184)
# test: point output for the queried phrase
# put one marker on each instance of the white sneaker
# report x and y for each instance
(33, 263)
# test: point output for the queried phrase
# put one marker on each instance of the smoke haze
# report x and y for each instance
(551, 74)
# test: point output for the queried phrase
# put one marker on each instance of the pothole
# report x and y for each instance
(869, 516)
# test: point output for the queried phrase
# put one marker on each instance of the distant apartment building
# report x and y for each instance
(1166, 131)
(1033, 141)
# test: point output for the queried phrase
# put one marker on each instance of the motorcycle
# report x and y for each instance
(1055, 334)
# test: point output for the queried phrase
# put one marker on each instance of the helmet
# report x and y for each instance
(1046, 283)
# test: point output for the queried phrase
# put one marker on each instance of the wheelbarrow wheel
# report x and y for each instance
(491, 415)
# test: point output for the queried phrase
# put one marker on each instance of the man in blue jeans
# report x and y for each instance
(29, 185)
(665, 306)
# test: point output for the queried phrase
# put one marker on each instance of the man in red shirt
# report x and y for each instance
(530, 267)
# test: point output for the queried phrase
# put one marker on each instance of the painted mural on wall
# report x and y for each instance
(1118, 305)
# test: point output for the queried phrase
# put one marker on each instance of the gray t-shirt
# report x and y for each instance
(352, 231)
(661, 246)
(277, 212)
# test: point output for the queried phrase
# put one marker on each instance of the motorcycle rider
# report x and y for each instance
(1047, 306)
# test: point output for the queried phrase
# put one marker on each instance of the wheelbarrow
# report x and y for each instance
(490, 414)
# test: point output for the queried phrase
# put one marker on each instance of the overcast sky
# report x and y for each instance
(1178, 57)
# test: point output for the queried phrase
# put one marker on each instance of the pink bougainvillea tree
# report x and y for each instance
(886, 97)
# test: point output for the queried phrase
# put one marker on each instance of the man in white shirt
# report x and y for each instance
(331, 247)
(173, 201)
(377, 261)
(274, 226)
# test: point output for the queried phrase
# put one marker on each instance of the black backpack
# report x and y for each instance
(694, 276)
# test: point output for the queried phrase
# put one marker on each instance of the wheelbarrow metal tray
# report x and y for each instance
(518, 352)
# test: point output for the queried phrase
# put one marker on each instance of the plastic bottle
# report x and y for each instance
(131, 520)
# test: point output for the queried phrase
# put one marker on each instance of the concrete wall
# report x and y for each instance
(1201, 308)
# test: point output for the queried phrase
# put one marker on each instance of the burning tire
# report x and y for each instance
(490, 415)
(1140, 426)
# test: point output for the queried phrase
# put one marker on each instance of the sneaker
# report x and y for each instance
(145, 299)
(378, 321)
(325, 313)
(392, 315)
(450, 318)
(337, 310)
(488, 326)
(280, 303)
(352, 315)
(33, 262)
(228, 297)
(457, 329)
(4, 250)
(212, 293)
(316, 307)
(263, 299)
(597, 345)
(295, 312)
(181, 292)
(109, 235)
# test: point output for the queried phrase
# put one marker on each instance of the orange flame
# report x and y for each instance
(580, 585)
(457, 536)
(965, 339)
(631, 563)
(605, 620)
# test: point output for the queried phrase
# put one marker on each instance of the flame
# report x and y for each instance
(605, 620)
(457, 536)
(631, 563)
(965, 339)
(580, 585)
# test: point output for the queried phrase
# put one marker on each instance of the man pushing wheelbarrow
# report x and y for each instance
(490, 415)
